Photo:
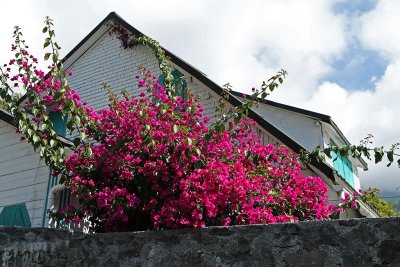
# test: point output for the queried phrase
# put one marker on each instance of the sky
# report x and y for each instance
(342, 56)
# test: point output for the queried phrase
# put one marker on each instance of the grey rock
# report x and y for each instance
(357, 242)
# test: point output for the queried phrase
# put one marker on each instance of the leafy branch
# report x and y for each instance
(226, 114)
(44, 93)
(364, 149)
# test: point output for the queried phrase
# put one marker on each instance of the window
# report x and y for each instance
(179, 82)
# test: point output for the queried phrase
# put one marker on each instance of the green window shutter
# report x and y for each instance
(343, 166)
(161, 80)
(179, 82)
(348, 171)
(15, 215)
(60, 123)
(337, 162)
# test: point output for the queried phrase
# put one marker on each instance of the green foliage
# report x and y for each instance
(33, 116)
(3, 103)
(363, 150)
(383, 207)
(226, 113)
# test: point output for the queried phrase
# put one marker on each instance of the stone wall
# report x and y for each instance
(356, 242)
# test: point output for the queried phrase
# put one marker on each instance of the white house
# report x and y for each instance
(27, 188)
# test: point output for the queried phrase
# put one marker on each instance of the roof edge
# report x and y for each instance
(323, 117)
(7, 117)
(320, 116)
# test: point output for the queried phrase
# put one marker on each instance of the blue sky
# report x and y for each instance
(357, 68)
(354, 7)
(343, 56)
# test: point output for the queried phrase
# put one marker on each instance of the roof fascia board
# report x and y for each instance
(308, 113)
(71, 58)
(6, 117)
(89, 40)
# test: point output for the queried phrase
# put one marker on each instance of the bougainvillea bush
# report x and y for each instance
(150, 161)
(152, 168)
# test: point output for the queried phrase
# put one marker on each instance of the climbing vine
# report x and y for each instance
(44, 93)
(362, 150)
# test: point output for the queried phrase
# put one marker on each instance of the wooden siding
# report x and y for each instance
(106, 61)
(23, 176)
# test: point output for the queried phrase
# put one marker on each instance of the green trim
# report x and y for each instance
(15, 215)
(49, 182)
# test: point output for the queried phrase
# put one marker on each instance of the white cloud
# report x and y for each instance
(379, 29)
(362, 112)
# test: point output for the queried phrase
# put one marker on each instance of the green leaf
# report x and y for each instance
(398, 162)
(280, 80)
(46, 43)
(390, 156)
(44, 30)
(378, 157)
(36, 139)
(55, 58)
(77, 141)
(271, 87)
(88, 151)
(77, 120)
(188, 153)
(263, 95)
(327, 152)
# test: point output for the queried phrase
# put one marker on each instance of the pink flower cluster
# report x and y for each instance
(151, 167)
(36, 82)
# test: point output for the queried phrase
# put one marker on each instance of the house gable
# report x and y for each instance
(208, 89)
